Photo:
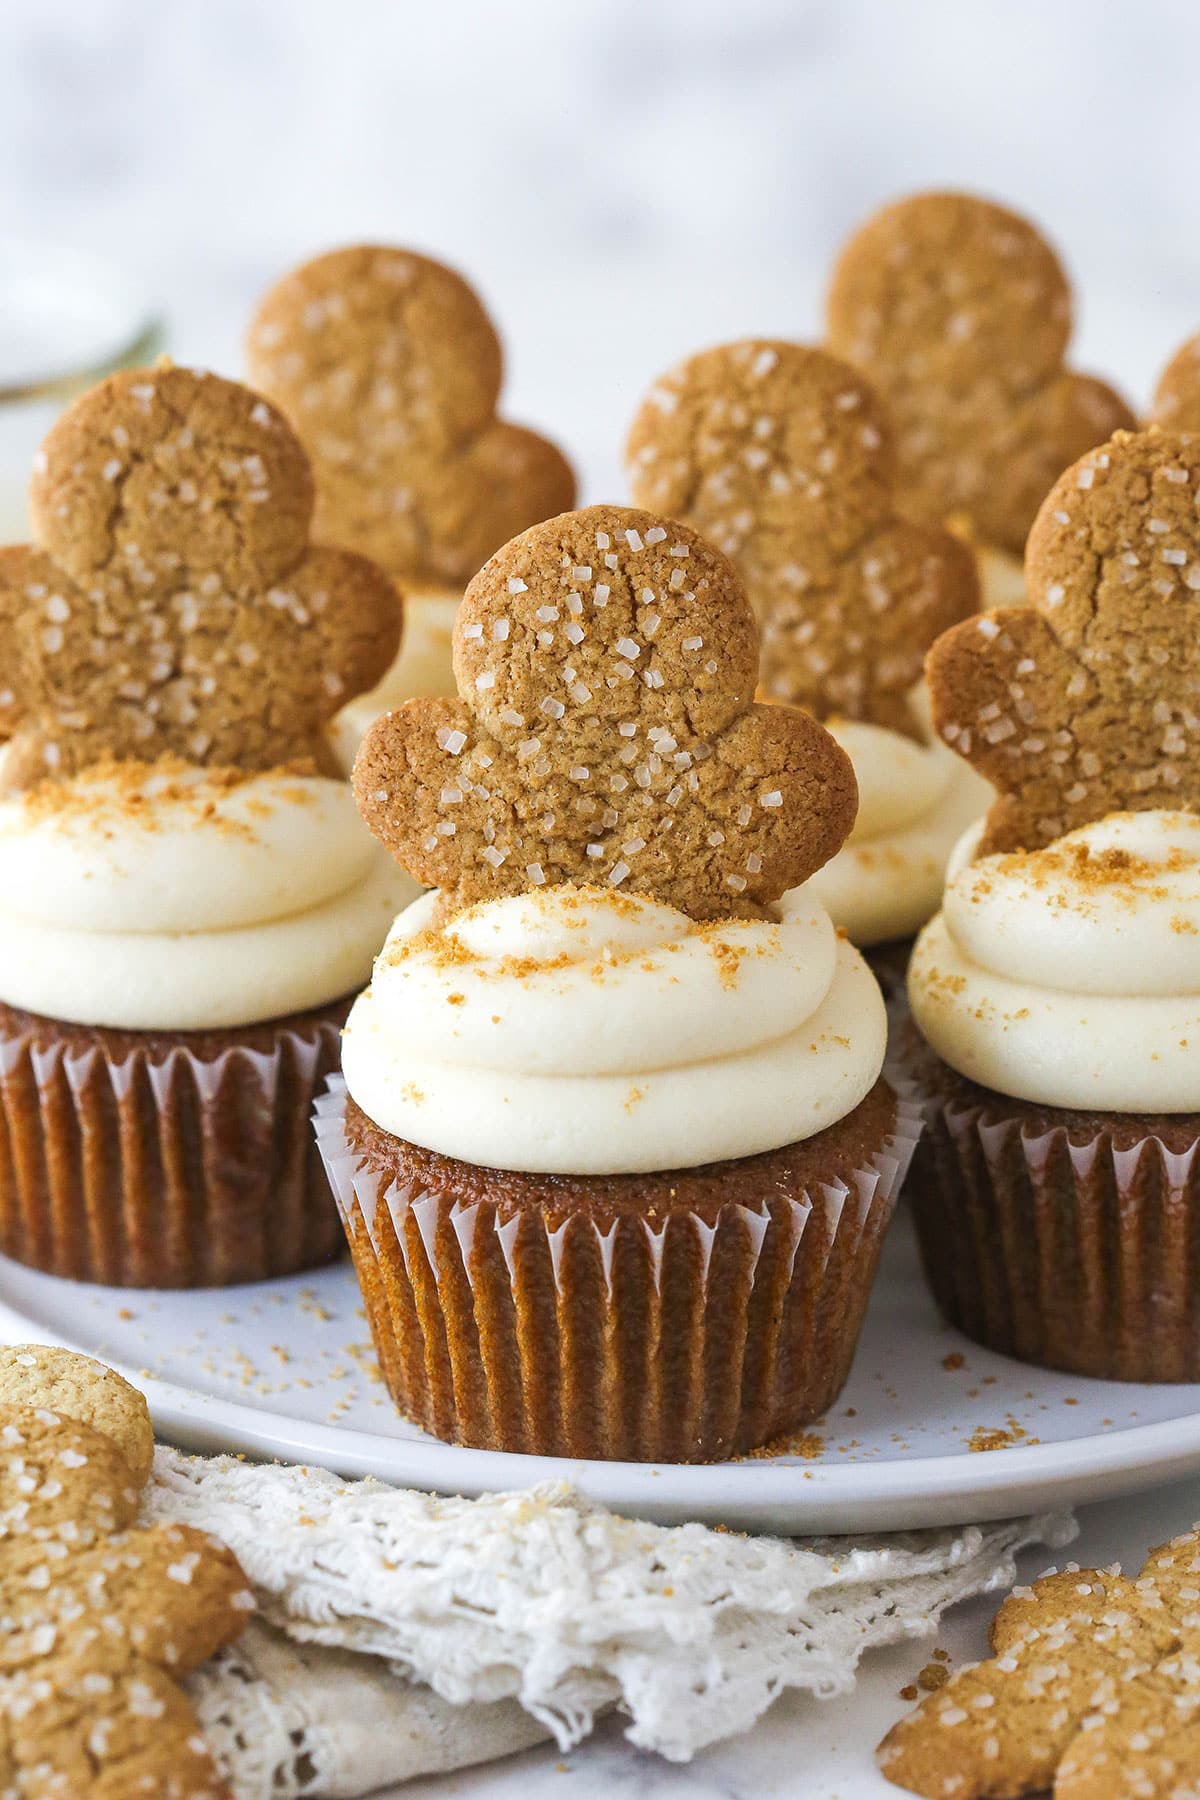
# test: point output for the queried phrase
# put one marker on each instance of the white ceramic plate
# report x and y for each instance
(285, 1369)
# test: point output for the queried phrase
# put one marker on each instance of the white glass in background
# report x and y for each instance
(66, 320)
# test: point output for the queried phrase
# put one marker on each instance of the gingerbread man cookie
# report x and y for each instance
(783, 457)
(606, 733)
(98, 1616)
(1082, 703)
(1177, 397)
(1088, 1683)
(960, 312)
(171, 602)
(389, 367)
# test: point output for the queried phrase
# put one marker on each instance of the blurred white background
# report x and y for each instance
(624, 179)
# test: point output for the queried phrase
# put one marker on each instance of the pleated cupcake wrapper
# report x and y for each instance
(684, 1338)
(170, 1171)
(1082, 1257)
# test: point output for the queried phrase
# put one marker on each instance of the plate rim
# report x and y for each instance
(1123, 1459)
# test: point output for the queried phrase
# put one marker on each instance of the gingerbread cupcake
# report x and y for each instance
(1057, 1193)
(959, 312)
(188, 896)
(783, 457)
(389, 368)
(614, 1150)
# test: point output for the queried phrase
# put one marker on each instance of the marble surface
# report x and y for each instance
(822, 1750)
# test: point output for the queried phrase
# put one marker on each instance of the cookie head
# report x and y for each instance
(783, 457)
(960, 312)
(1083, 703)
(390, 369)
(1177, 397)
(606, 733)
(171, 601)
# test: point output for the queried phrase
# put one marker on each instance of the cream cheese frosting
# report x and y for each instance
(579, 1031)
(177, 898)
(1070, 975)
(914, 802)
(424, 666)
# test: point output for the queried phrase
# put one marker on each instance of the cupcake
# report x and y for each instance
(189, 899)
(1057, 993)
(614, 1150)
(389, 368)
(783, 457)
(959, 312)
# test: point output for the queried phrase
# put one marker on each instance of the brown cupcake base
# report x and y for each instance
(679, 1317)
(165, 1159)
(1064, 1238)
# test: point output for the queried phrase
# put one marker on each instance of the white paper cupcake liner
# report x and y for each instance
(142, 1165)
(691, 1336)
(1073, 1251)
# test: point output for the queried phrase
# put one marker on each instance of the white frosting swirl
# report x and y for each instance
(578, 1031)
(423, 666)
(1070, 976)
(914, 802)
(180, 899)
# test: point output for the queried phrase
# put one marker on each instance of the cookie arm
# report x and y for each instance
(406, 763)
(782, 795)
(1003, 692)
(357, 614)
(22, 569)
(908, 585)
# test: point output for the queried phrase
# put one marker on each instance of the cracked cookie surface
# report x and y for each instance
(171, 602)
(783, 457)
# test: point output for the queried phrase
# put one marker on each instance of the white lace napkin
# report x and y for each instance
(477, 1626)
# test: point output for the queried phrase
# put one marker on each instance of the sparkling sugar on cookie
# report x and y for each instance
(171, 602)
(783, 457)
(606, 732)
(1093, 1690)
(1085, 702)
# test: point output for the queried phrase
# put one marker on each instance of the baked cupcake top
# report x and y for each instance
(784, 457)
(959, 311)
(389, 367)
(171, 853)
(615, 976)
(1062, 968)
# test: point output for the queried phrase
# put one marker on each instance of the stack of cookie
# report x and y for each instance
(101, 1616)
